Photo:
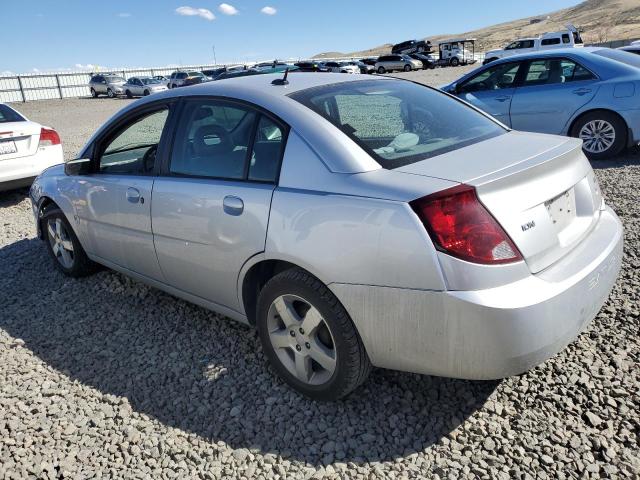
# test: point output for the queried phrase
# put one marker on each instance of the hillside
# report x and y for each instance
(600, 20)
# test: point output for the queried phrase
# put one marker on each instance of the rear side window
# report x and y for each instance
(398, 122)
(9, 115)
(555, 70)
(551, 41)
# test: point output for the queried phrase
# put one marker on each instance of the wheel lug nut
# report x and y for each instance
(301, 331)
(293, 334)
(298, 347)
(308, 345)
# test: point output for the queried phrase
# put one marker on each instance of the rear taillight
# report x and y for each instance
(48, 137)
(462, 227)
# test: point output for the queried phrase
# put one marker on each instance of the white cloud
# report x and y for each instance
(35, 70)
(7, 73)
(124, 15)
(199, 12)
(269, 10)
(227, 9)
(88, 66)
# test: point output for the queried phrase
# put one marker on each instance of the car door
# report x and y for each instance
(552, 90)
(114, 207)
(492, 89)
(210, 208)
(100, 85)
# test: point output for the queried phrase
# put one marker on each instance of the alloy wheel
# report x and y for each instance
(597, 136)
(60, 242)
(301, 339)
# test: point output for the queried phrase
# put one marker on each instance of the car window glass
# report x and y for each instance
(9, 115)
(267, 151)
(555, 70)
(398, 122)
(551, 41)
(565, 38)
(213, 140)
(133, 150)
(493, 78)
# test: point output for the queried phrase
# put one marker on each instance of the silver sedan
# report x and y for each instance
(354, 221)
(143, 86)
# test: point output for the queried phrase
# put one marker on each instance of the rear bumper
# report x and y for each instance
(493, 333)
(20, 171)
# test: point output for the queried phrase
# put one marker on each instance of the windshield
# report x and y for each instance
(195, 74)
(9, 115)
(619, 56)
(398, 122)
(115, 80)
(149, 81)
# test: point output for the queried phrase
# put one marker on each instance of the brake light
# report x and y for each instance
(48, 137)
(461, 226)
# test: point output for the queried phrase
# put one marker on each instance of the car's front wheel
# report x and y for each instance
(308, 337)
(63, 245)
(94, 94)
(128, 93)
(146, 92)
(603, 134)
(381, 70)
(407, 68)
(454, 62)
(110, 93)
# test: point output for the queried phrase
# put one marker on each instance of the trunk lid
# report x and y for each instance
(540, 188)
(18, 139)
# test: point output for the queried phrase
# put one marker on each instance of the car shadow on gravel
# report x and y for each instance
(10, 198)
(630, 156)
(206, 375)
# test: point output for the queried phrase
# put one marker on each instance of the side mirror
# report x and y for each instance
(79, 166)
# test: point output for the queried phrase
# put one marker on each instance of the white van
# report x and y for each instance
(565, 39)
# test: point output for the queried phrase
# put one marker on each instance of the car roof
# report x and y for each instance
(552, 52)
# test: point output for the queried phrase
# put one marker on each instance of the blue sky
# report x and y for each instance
(50, 35)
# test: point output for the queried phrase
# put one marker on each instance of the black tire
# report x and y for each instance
(173, 85)
(110, 93)
(454, 62)
(94, 94)
(81, 265)
(128, 93)
(432, 66)
(619, 127)
(352, 362)
(381, 70)
(407, 68)
(145, 93)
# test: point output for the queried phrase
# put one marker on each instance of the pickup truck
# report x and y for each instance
(564, 39)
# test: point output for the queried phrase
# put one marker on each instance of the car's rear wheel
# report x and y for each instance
(94, 94)
(407, 68)
(146, 92)
(381, 70)
(63, 245)
(110, 93)
(603, 134)
(308, 337)
(454, 62)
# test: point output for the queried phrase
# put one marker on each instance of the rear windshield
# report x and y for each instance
(9, 115)
(115, 79)
(399, 122)
(619, 56)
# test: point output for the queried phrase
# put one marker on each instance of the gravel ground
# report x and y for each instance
(104, 377)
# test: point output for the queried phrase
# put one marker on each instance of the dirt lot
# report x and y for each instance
(104, 377)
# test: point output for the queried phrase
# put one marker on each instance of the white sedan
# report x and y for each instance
(26, 149)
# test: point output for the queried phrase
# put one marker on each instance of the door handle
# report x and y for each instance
(233, 205)
(133, 195)
(581, 91)
(503, 98)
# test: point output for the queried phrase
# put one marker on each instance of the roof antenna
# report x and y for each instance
(283, 80)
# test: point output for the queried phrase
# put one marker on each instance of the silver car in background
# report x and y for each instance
(106, 84)
(390, 63)
(355, 221)
(142, 86)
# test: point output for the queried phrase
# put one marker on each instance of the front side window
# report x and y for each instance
(398, 122)
(493, 78)
(133, 150)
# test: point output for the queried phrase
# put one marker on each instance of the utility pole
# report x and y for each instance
(215, 61)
